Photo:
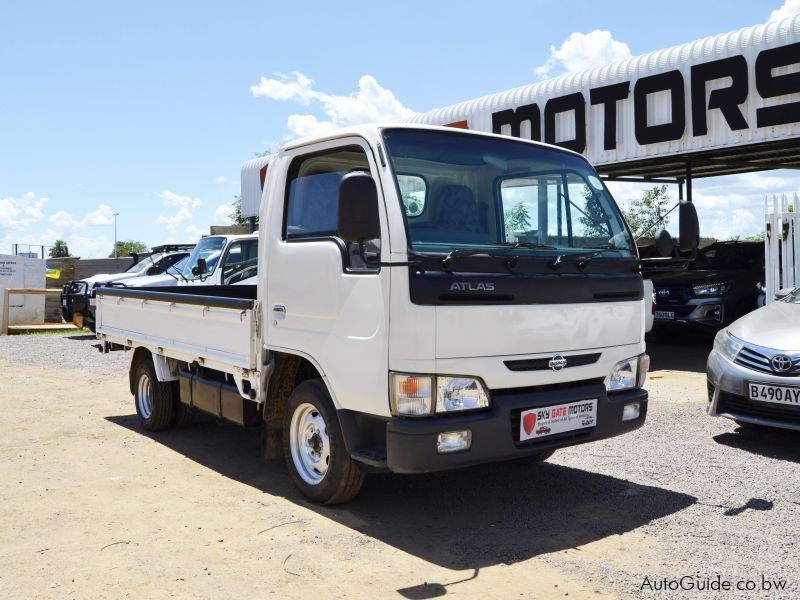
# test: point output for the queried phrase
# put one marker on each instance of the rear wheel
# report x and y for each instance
(154, 400)
(314, 448)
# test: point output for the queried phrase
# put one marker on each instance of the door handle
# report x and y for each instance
(279, 308)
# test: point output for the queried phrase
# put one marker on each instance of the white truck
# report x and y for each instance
(228, 259)
(428, 298)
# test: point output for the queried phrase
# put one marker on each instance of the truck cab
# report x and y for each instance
(428, 298)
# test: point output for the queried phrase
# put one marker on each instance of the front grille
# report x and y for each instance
(759, 361)
(737, 405)
(674, 295)
(542, 364)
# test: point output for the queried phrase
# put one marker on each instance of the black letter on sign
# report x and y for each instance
(608, 96)
(574, 102)
(770, 86)
(671, 81)
(515, 117)
(726, 99)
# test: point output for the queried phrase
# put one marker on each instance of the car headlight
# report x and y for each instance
(460, 393)
(419, 395)
(727, 345)
(628, 374)
(712, 289)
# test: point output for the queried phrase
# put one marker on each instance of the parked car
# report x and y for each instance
(77, 297)
(170, 276)
(719, 286)
(754, 368)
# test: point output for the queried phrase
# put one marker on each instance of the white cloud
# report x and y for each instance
(21, 212)
(102, 215)
(790, 8)
(220, 179)
(221, 214)
(185, 205)
(64, 220)
(581, 51)
(193, 232)
(369, 104)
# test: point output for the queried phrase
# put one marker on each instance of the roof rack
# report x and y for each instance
(171, 248)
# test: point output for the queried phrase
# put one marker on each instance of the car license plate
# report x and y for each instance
(537, 423)
(779, 394)
(666, 315)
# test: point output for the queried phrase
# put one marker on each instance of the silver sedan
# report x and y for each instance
(754, 369)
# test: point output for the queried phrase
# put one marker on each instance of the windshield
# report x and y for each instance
(483, 193)
(729, 256)
(210, 249)
(141, 266)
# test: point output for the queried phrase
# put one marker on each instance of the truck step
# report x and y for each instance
(374, 457)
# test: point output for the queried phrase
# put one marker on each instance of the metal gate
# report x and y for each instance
(782, 244)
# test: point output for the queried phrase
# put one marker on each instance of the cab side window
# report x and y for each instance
(241, 262)
(313, 193)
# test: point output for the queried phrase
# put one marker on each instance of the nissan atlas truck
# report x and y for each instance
(427, 299)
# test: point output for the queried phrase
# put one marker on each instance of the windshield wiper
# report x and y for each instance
(506, 247)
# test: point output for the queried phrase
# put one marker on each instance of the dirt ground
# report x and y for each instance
(91, 506)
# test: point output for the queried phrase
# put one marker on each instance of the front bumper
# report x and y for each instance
(728, 396)
(411, 443)
(702, 312)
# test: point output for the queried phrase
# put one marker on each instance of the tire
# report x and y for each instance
(154, 400)
(182, 414)
(314, 448)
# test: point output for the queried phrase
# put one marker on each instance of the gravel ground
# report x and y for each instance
(685, 495)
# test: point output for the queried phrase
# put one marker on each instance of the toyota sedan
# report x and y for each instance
(754, 368)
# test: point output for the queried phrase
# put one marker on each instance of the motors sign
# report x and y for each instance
(733, 89)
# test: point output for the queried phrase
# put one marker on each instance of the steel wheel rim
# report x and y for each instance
(144, 396)
(310, 444)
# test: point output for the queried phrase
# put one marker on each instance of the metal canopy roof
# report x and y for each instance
(724, 104)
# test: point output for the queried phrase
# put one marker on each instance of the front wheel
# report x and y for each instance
(314, 448)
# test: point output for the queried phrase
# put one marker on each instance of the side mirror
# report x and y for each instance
(359, 219)
(200, 268)
(689, 226)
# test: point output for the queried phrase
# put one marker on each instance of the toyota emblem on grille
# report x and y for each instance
(663, 293)
(557, 363)
(781, 363)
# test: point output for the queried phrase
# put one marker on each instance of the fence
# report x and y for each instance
(782, 244)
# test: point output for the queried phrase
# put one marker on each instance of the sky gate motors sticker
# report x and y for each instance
(549, 420)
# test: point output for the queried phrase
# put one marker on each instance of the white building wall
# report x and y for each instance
(21, 272)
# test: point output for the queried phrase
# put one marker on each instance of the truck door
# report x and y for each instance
(321, 300)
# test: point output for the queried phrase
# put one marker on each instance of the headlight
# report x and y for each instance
(712, 289)
(460, 393)
(727, 345)
(419, 395)
(628, 374)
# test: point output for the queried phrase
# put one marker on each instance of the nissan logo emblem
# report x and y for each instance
(557, 363)
(781, 363)
(663, 293)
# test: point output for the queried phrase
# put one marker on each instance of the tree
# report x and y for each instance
(517, 218)
(59, 249)
(124, 248)
(648, 214)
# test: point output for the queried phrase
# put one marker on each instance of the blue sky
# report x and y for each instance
(148, 109)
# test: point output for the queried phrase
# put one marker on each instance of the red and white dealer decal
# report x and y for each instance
(549, 420)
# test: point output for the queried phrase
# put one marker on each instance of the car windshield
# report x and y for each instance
(729, 256)
(141, 266)
(485, 194)
(209, 249)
